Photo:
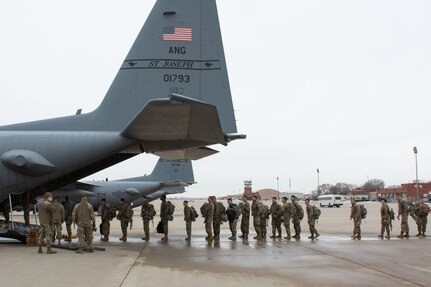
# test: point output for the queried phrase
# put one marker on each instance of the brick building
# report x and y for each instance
(407, 190)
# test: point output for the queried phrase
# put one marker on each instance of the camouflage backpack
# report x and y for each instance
(129, 213)
(193, 213)
(171, 210)
(316, 212)
(204, 209)
(300, 212)
(150, 212)
(112, 213)
(233, 212)
(264, 211)
(424, 209)
(222, 210)
(363, 211)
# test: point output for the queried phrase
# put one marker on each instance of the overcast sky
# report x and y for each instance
(343, 86)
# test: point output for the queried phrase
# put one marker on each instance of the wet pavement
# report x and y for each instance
(331, 260)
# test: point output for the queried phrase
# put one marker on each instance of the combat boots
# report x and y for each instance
(165, 238)
(401, 235)
(380, 236)
(316, 235)
(187, 238)
(209, 238)
(273, 236)
(288, 237)
(79, 250)
(258, 237)
(50, 251)
(40, 251)
(407, 235)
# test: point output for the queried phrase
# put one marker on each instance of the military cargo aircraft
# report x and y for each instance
(168, 177)
(171, 97)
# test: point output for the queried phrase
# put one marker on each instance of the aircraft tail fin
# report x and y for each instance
(178, 51)
(168, 171)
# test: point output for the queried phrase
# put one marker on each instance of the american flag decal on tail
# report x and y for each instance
(177, 34)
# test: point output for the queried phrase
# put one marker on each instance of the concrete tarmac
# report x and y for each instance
(331, 260)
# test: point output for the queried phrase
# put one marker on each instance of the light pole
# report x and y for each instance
(415, 150)
(318, 182)
(278, 188)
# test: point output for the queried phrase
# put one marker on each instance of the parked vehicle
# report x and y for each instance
(330, 200)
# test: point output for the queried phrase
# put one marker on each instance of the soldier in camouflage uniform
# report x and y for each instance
(403, 212)
(45, 210)
(104, 216)
(311, 220)
(123, 210)
(68, 209)
(208, 213)
(164, 208)
(145, 209)
(217, 218)
(276, 218)
(188, 219)
(385, 219)
(232, 220)
(57, 221)
(286, 213)
(355, 214)
(422, 212)
(245, 219)
(83, 216)
(255, 212)
(296, 219)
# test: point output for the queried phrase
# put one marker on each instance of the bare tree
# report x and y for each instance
(373, 185)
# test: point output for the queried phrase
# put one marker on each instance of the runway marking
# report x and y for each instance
(133, 264)
(360, 264)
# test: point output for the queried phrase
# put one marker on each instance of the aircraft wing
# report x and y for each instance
(176, 124)
(86, 184)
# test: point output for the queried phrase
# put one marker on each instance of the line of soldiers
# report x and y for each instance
(52, 214)
(419, 212)
(215, 213)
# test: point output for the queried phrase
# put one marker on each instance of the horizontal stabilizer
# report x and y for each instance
(174, 183)
(188, 153)
(175, 123)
